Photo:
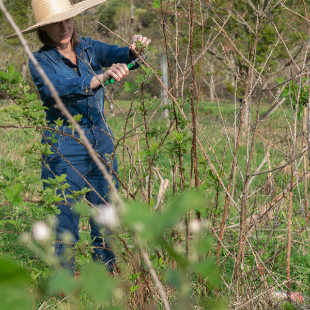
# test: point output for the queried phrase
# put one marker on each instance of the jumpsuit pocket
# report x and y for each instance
(54, 139)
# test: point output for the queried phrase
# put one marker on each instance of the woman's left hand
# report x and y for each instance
(137, 37)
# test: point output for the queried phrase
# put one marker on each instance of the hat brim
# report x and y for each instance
(74, 11)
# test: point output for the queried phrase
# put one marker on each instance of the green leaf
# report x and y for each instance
(174, 278)
(58, 198)
(17, 188)
(26, 88)
(280, 80)
(11, 70)
(203, 244)
(17, 201)
(4, 75)
(130, 87)
(8, 174)
(78, 117)
(207, 269)
(14, 282)
(175, 254)
(33, 97)
(61, 178)
(81, 208)
(12, 274)
(289, 306)
(97, 283)
(187, 201)
(134, 276)
(138, 217)
(134, 288)
(8, 193)
(63, 282)
(59, 122)
(140, 77)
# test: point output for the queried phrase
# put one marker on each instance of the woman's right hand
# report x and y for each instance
(116, 71)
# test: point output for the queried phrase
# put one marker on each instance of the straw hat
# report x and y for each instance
(53, 11)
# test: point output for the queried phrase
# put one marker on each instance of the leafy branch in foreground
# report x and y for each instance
(147, 231)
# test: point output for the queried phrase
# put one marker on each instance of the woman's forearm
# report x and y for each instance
(97, 80)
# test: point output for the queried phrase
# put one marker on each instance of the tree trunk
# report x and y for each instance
(211, 85)
(132, 16)
(164, 78)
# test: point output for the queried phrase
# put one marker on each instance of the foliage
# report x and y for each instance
(296, 93)
(209, 225)
(28, 109)
(108, 12)
(14, 283)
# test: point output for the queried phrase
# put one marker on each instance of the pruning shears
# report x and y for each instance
(129, 66)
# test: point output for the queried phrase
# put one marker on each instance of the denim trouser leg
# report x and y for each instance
(82, 171)
(102, 250)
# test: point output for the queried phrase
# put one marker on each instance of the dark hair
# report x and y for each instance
(47, 41)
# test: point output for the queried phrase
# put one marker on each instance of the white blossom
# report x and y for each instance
(195, 225)
(40, 231)
(106, 215)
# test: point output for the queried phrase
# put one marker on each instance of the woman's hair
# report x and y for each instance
(47, 41)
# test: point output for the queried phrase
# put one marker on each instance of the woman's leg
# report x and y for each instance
(103, 245)
(71, 159)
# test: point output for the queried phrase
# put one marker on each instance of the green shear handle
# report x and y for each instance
(129, 66)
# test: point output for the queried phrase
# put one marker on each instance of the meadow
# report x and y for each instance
(213, 206)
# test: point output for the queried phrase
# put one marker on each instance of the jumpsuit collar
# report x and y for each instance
(79, 50)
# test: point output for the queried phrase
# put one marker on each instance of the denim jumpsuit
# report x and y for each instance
(72, 83)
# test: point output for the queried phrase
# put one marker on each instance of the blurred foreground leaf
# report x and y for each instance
(14, 283)
(63, 282)
(97, 282)
(139, 218)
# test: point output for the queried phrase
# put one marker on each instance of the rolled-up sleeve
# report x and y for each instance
(107, 55)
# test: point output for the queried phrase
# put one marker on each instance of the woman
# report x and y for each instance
(75, 68)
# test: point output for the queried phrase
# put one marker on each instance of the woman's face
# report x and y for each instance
(60, 33)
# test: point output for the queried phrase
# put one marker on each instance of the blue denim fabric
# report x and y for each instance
(81, 172)
(72, 82)
(70, 157)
